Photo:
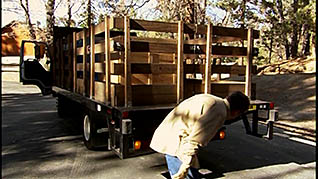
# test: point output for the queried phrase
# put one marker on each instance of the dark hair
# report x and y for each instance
(238, 101)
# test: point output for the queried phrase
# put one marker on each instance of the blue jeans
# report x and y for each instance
(174, 164)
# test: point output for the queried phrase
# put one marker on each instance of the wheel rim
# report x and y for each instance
(87, 128)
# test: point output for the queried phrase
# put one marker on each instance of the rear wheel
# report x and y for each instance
(89, 132)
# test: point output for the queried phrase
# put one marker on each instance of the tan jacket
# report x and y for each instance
(191, 124)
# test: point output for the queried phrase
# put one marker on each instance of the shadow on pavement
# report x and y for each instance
(241, 152)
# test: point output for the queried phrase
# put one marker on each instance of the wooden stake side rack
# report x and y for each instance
(113, 64)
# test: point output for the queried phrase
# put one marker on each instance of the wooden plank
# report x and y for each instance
(159, 47)
(99, 28)
(142, 57)
(218, 51)
(99, 91)
(238, 33)
(92, 62)
(232, 69)
(79, 67)
(107, 60)
(153, 89)
(80, 86)
(140, 100)
(194, 68)
(80, 50)
(153, 68)
(127, 66)
(145, 25)
(180, 63)
(117, 69)
(225, 69)
(249, 63)
(84, 62)
(117, 95)
(99, 67)
(74, 62)
(202, 41)
(223, 90)
(61, 63)
(70, 85)
(207, 75)
(100, 48)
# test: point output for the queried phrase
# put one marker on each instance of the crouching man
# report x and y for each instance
(192, 124)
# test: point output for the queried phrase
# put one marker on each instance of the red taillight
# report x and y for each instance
(109, 111)
(125, 115)
(271, 105)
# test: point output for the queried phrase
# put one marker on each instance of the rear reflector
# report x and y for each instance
(125, 114)
(271, 105)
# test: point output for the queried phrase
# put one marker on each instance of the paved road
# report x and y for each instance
(36, 143)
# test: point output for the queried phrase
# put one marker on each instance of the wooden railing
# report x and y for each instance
(124, 69)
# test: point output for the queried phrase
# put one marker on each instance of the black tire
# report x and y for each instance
(89, 132)
(92, 139)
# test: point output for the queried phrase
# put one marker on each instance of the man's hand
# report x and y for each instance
(182, 173)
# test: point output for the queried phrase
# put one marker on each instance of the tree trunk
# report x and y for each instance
(270, 51)
(50, 21)
(28, 18)
(295, 40)
(306, 35)
(69, 13)
(284, 34)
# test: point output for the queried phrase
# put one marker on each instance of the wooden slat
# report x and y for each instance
(153, 89)
(61, 56)
(84, 62)
(117, 97)
(74, 62)
(207, 75)
(238, 33)
(249, 63)
(80, 50)
(224, 89)
(127, 62)
(153, 68)
(218, 51)
(92, 62)
(232, 69)
(99, 67)
(100, 28)
(70, 62)
(79, 86)
(180, 63)
(107, 60)
(145, 25)
(100, 48)
(99, 91)
(141, 100)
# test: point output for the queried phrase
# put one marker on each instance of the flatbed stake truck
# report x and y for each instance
(120, 84)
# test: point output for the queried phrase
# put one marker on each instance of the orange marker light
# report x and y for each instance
(137, 145)
(222, 135)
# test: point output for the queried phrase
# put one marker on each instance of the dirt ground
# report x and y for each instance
(292, 87)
